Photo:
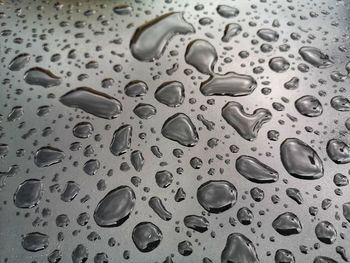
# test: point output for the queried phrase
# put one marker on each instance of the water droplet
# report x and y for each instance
(227, 11)
(47, 156)
(247, 125)
(35, 241)
(149, 40)
(28, 193)
(287, 224)
(171, 93)
(158, 207)
(19, 62)
(146, 236)
(121, 140)
(326, 232)
(145, 111)
(315, 57)
(41, 77)
(300, 160)
(231, 30)
(279, 64)
(180, 128)
(115, 208)
(136, 88)
(239, 248)
(96, 103)
(309, 106)
(229, 84)
(338, 151)
(217, 196)
(268, 35)
(255, 171)
(197, 223)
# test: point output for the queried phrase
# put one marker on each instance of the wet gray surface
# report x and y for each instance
(64, 63)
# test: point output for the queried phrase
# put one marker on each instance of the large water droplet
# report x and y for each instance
(171, 93)
(287, 224)
(217, 196)
(309, 106)
(115, 208)
(326, 232)
(146, 236)
(41, 77)
(19, 62)
(149, 40)
(91, 101)
(239, 249)
(315, 57)
(300, 160)
(338, 151)
(229, 84)
(121, 140)
(180, 128)
(255, 171)
(28, 193)
(35, 241)
(47, 156)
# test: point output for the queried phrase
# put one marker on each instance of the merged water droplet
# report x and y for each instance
(201, 55)
(28, 193)
(149, 40)
(115, 208)
(247, 125)
(217, 196)
(300, 160)
(91, 101)
(239, 248)
(255, 171)
(229, 84)
(41, 77)
(180, 128)
(146, 236)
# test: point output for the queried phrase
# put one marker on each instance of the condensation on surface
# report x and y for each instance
(174, 131)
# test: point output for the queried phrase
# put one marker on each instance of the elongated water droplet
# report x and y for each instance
(121, 140)
(96, 103)
(47, 156)
(149, 40)
(19, 62)
(41, 77)
(315, 57)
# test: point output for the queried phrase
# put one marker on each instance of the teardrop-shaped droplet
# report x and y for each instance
(239, 249)
(41, 77)
(231, 30)
(121, 140)
(180, 128)
(96, 103)
(255, 171)
(325, 232)
(300, 160)
(287, 224)
(171, 93)
(150, 40)
(19, 62)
